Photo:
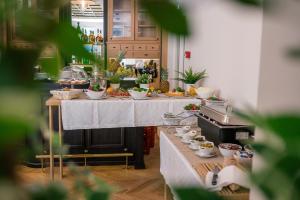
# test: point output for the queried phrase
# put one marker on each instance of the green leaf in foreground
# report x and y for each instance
(196, 194)
(167, 15)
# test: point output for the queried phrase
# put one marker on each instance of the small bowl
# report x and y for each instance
(200, 138)
(95, 94)
(243, 157)
(248, 148)
(228, 149)
(183, 130)
(206, 148)
(204, 92)
(193, 133)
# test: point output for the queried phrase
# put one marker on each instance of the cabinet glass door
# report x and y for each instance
(122, 23)
(145, 28)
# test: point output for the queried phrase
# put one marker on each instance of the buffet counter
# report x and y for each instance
(181, 167)
(112, 125)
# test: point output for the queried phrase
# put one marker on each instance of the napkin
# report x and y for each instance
(227, 176)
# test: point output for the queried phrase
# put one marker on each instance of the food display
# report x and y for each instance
(192, 107)
(73, 75)
(176, 92)
(95, 92)
(206, 149)
(138, 93)
(118, 93)
(228, 149)
(66, 93)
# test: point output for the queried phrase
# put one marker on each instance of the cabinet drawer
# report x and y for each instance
(113, 47)
(129, 54)
(127, 47)
(112, 53)
(153, 47)
(146, 54)
(139, 47)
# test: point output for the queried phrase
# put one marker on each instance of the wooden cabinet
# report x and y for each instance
(121, 20)
(145, 29)
(131, 29)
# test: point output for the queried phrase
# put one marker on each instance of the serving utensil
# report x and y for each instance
(215, 172)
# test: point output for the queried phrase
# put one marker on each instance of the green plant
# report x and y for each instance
(191, 77)
(115, 79)
(143, 79)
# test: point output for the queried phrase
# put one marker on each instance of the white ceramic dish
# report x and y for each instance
(198, 153)
(195, 148)
(138, 95)
(204, 92)
(206, 150)
(228, 149)
(95, 95)
(185, 141)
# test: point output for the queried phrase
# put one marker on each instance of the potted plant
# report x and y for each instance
(115, 82)
(143, 81)
(190, 78)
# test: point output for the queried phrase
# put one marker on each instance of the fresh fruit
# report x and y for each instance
(192, 91)
(192, 107)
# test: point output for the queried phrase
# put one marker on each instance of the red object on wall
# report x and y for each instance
(187, 54)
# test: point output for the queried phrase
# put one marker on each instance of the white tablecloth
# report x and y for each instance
(113, 112)
(174, 167)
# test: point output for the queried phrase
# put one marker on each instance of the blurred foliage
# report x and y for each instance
(279, 179)
(165, 13)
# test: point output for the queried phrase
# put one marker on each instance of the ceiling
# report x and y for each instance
(87, 8)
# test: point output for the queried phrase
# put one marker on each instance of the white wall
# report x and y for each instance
(279, 88)
(226, 41)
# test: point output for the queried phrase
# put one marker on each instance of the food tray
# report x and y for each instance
(173, 121)
(66, 95)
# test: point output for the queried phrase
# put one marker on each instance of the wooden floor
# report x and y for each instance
(131, 184)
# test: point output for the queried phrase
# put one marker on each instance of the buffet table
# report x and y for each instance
(112, 112)
(180, 166)
(119, 112)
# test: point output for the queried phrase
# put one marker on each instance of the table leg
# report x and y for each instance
(60, 143)
(51, 143)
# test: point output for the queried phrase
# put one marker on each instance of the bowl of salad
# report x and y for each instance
(138, 93)
(95, 92)
(192, 108)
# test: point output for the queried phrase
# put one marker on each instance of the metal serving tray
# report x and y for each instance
(219, 114)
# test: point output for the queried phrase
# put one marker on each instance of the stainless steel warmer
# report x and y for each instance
(218, 124)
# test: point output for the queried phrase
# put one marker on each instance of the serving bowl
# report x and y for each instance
(228, 149)
(95, 94)
(204, 92)
(206, 148)
(243, 157)
(138, 94)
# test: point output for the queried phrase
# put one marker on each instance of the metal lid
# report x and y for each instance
(222, 115)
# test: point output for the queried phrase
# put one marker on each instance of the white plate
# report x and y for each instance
(178, 135)
(193, 148)
(144, 98)
(103, 97)
(185, 141)
(205, 155)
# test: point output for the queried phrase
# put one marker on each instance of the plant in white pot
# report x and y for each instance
(144, 81)
(115, 82)
(190, 77)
